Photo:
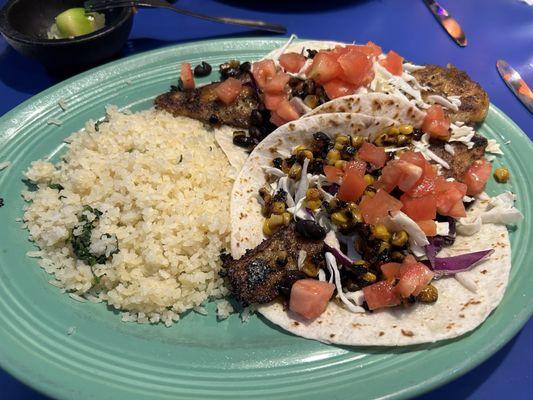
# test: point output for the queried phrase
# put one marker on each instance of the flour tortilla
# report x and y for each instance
(377, 104)
(246, 218)
(457, 311)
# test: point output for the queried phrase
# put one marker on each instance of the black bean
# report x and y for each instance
(214, 120)
(246, 66)
(202, 70)
(311, 53)
(276, 162)
(310, 230)
(349, 150)
(256, 118)
(240, 139)
(255, 132)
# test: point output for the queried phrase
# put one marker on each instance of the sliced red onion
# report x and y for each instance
(333, 246)
(332, 188)
(455, 264)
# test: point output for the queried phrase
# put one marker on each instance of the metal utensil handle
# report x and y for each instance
(226, 20)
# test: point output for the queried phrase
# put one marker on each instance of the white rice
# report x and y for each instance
(163, 186)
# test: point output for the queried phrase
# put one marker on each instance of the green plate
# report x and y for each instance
(199, 357)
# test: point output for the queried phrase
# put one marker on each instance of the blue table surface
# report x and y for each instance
(495, 29)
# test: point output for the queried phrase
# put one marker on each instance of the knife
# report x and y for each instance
(515, 82)
(449, 23)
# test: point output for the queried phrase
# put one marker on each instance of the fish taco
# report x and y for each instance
(304, 78)
(343, 236)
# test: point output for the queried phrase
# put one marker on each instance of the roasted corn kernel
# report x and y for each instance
(267, 231)
(311, 101)
(393, 130)
(399, 239)
(342, 139)
(295, 172)
(303, 154)
(333, 155)
(313, 194)
(380, 231)
(383, 246)
(501, 174)
(360, 263)
(298, 148)
(286, 218)
(341, 164)
(277, 207)
(406, 129)
(402, 140)
(313, 204)
(369, 277)
(429, 294)
(397, 256)
(310, 269)
(357, 141)
(338, 218)
(369, 179)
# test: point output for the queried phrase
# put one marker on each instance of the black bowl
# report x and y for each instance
(25, 23)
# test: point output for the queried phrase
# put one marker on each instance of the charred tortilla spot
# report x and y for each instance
(407, 333)
(332, 335)
(381, 333)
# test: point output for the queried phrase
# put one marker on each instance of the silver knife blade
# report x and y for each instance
(515, 82)
(449, 23)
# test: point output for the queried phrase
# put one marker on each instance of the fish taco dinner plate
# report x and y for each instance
(73, 350)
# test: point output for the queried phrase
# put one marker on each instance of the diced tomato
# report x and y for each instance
(458, 210)
(409, 259)
(324, 68)
(436, 123)
(356, 67)
(338, 88)
(381, 294)
(292, 62)
(393, 63)
(391, 270)
(333, 174)
(228, 90)
(286, 111)
(277, 83)
(428, 226)
(186, 76)
(358, 165)
(263, 71)
(477, 176)
(272, 100)
(309, 297)
(411, 174)
(390, 176)
(414, 157)
(370, 49)
(378, 207)
(448, 194)
(353, 184)
(375, 155)
(413, 278)
(420, 208)
(276, 119)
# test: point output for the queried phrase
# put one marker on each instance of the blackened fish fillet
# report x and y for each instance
(202, 104)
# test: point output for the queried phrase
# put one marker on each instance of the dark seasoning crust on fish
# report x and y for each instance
(264, 272)
(450, 81)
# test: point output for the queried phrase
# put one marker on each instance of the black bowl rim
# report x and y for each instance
(7, 30)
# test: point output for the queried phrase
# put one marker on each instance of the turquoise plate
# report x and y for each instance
(104, 358)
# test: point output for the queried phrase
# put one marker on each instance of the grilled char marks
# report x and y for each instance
(450, 81)
(271, 268)
(463, 157)
(202, 104)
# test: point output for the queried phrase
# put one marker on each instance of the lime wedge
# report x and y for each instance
(75, 22)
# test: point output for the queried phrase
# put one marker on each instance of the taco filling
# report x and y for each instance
(358, 219)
